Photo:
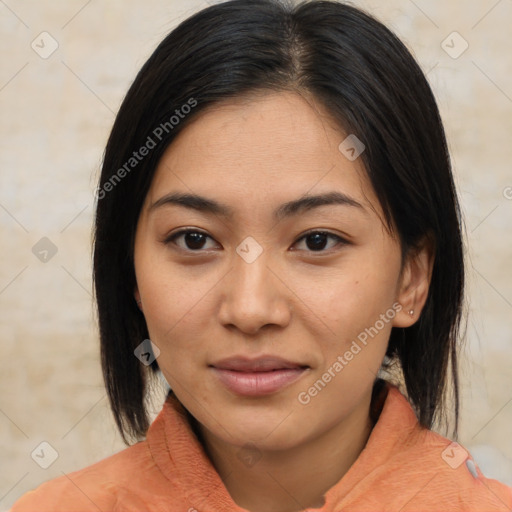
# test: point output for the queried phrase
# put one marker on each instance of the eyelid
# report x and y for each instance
(342, 241)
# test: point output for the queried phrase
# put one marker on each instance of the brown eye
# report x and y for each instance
(193, 240)
(317, 240)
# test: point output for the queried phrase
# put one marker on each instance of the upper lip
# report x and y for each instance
(261, 364)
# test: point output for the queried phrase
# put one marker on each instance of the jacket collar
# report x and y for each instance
(180, 456)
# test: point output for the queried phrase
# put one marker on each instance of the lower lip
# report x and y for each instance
(258, 383)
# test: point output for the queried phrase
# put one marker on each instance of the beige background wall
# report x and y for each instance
(56, 113)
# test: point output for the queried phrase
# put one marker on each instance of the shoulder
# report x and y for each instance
(96, 487)
(419, 469)
(471, 487)
(442, 473)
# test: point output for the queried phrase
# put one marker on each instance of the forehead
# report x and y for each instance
(273, 145)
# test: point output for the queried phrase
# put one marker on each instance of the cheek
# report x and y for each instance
(356, 308)
(173, 305)
(359, 314)
(177, 324)
(173, 295)
(354, 296)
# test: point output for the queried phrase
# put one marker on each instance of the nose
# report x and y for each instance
(254, 295)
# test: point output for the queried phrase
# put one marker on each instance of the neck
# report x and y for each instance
(294, 479)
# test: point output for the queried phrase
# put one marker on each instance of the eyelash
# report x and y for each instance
(341, 241)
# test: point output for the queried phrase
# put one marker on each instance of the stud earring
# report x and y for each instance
(411, 312)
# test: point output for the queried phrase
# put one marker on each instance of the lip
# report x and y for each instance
(260, 376)
(258, 364)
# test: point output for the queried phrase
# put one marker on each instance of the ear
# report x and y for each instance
(136, 294)
(414, 283)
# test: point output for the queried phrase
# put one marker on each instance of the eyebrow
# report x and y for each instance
(288, 209)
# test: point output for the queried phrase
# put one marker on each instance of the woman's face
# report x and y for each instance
(250, 282)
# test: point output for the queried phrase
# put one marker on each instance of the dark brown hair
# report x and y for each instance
(372, 87)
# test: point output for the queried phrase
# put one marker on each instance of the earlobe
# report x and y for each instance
(414, 284)
(138, 300)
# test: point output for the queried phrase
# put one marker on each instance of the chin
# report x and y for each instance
(274, 430)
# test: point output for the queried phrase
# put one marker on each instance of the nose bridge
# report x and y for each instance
(252, 276)
(253, 296)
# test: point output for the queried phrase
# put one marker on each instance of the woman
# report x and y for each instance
(277, 232)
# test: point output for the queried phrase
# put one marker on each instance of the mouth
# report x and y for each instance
(255, 377)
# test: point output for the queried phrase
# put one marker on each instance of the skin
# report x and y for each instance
(203, 302)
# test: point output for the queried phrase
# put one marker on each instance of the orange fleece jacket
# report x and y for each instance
(403, 467)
